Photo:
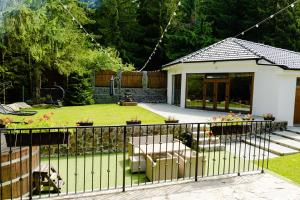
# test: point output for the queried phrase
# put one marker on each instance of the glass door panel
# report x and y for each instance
(221, 96)
(176, 89)
(209, 95)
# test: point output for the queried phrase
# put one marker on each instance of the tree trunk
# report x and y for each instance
(37, 85)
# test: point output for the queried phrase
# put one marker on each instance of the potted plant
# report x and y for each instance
(248, 117)
(171, 120)
(134, 121)
(36, 137)
(229, 124)
(86, 122)
(269, 117)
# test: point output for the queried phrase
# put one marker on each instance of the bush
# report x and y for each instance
(80, 90)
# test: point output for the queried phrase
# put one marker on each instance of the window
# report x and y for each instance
(194, 96)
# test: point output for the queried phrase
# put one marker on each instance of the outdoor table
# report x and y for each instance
(175, 147)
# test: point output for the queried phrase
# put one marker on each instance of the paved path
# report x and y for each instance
(184, 115)
(247, 187)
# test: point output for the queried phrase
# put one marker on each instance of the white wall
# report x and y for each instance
(274, 88)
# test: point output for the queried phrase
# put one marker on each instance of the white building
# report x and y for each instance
(238, 75)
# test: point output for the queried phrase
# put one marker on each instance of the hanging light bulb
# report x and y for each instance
(92, 39)
(292, 5)
(65, 7)
(174, 13)
(271, 16)
(179, 3)
(81, 27)
(256, 25)
(243, 33)
(73, 18)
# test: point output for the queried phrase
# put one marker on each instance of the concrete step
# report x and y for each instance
(249, 151)
(290, 143)
(294, 129)
(212, 147)
(274, 148)
(207, 140)
(288, 134)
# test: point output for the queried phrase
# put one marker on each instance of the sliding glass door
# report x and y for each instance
(176, 92)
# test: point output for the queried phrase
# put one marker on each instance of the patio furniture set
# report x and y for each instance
(163, 157)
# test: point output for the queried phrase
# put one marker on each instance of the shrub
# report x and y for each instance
(79, 91)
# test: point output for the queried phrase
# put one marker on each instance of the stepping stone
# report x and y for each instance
(287, 134)
(255, 152)
(274, 148)
(290, 143)
(212, 147)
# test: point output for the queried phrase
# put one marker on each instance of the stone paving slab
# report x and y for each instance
(274, 148)
(288, 134)
(246, 187)
(294, 128)
(285, 142)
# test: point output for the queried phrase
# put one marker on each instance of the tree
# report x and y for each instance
(48, 38)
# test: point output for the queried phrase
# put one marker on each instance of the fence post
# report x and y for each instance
(197, 150)
(124, 156)
(30, 165)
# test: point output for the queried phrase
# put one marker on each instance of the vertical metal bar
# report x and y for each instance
(254, 156)
(67, 181)
(76, 154)
(58, 156)
(30, 165)
(172, 163)
(184, 155)
(49, 155)
(108, 161)
(10, 170)
(116, 152)
(101, 152)
(220, 142)
(240, 149)
(178, 152)
(258, 162)
(132, 150)
(203, 150)
(152, 152)
(250, 145)
(269, 138)
(235, 143)
(139, 155)
(224, 156)
(21, 171)
(208, 156)
(93, 157)
(264, 149)
(84, 132)
(159, 151)
(124, 156)
(214, 149)
(229, 156)
(245, 135)
(197, 152)
(146, 148)
(166, 152)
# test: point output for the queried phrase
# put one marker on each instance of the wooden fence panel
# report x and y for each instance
(102, 78)
(157, 80)
(132, 80)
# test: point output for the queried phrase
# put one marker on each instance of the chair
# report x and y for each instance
(7, 110)
(187, 164)
(161, 167)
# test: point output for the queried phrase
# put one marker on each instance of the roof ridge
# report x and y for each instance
(235, 40)
(268, 46)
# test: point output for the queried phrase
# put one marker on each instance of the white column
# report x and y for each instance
(183, 90)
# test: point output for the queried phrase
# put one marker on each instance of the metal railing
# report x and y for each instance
(46, 162)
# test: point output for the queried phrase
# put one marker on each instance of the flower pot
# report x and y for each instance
(171, 121)
(231, 129)
(269, 118)
(85, 123)
(138, 122)
(128, 103)
(36, 139)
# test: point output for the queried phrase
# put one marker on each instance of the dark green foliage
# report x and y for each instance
(80, 90)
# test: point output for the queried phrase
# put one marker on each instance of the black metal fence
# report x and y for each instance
(46, 162)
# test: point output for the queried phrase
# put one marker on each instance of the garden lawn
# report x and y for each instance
(101, 114)
(287, 166)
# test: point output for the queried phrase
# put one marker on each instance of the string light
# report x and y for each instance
(161, 37)
(79, 24)
(292, 5)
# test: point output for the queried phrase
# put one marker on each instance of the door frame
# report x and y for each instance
(216, 82)
(297, 105)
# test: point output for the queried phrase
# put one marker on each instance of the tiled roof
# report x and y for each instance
(237, 49)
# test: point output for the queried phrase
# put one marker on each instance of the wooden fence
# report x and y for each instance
(132, 79)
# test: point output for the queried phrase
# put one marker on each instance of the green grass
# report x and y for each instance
(287, 166)
(101, 114)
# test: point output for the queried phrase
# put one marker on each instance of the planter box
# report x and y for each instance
(171, 121)
(85, 124)
(133, 122)
(228, 130)
(269, 119)
(127, 103)
(36, 139)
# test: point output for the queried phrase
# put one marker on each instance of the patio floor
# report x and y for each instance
(246, 187)
(184, 115)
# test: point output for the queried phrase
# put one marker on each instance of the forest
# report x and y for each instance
(39, 35)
